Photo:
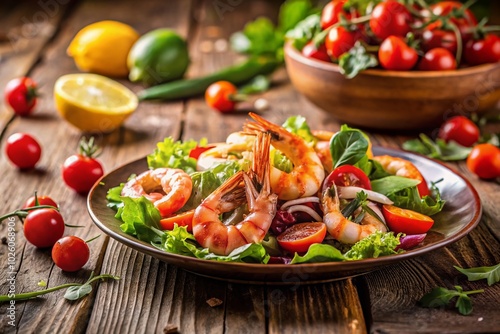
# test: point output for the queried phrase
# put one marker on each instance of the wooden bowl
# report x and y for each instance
(394, 100)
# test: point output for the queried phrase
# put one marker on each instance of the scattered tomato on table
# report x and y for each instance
(39, 200)
(460, 129)
(23, 150)
(43, 227)
(484, 161)
(70, 253)
(221, 96)
(21, 95)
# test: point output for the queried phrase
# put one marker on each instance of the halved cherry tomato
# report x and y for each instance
(394, 54)
(182, 219)
(347, 175)
(311, 51)
(406, 221)
(218, 96)
(300, 237)
(438, 59)
(461, 130)
(390, 18)
(484, 161)
(195, 152)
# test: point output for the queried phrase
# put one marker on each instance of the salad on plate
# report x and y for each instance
(277, 194)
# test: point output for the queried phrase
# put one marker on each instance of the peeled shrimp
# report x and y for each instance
(307, 175)
(401, 167)
(168, 188)
(219, 238)
(340, 227)
(322, 148)
(237, 146)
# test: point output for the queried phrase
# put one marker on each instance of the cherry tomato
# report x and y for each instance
(438, 59)
(347, 175)
(333, 10)
(21, 95)
(311, 51)
(394, 54)
(81, 172)
(198, 150)
(483, 51)
(23, 150)
(70, 253)
(42, 200)
(484, 161)
(43, 227)
(390, 18)
(340, 40)
(299, 237)
(218, 96)
(435, 37)
(466, 21)
(460, 129)
(181, 219)
(406, 221)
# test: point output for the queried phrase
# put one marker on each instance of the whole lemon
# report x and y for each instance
(103, 47)
(158, 56)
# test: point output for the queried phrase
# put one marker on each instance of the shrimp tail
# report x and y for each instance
(262, 125)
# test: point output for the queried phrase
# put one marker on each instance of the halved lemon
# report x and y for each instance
(93, 103)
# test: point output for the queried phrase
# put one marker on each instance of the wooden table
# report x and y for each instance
(153, 296)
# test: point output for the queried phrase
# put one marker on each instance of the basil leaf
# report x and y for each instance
(491, 274)
(357, 59)
(464, 304)
(348, 147)
(319, 253)
(304, 31)
(438, 297)
(392, 184)
(77, 292)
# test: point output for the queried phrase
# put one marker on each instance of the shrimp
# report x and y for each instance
(341, 228)
(401, 167)
(237, 146)
(322, 148)
(209, 231)
(168, 188)
(308, 173)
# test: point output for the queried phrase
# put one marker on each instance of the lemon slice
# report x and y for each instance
(93, 103)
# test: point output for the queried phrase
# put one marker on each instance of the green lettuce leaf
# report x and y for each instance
(114, 197)
(174, 154)
(375, 245)
(298, 125)
(392, 184)
(137, 211)
(409, 199)
(319, 253)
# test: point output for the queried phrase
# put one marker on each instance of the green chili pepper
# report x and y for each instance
(236, 74)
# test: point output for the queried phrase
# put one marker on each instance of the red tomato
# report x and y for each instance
(218, 96)
(406, 221)
(21, 95)
(81, 172)
(438, 59)
(394, 54)
(42, 200)
(299, 237)
(340, 40)
(195, 152)
(483, 51)
(311, 51)
(435, 37)
(390, 18)
(333, 10)
(464, 22)
(484, 161)
(43, 227)
(70, 253)
(181, 219)
(347, 175)
(23, 150)
(460, 129)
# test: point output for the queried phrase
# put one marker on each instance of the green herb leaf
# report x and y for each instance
(292, 12)
(280, 161)
(348, 146)
(175, 154)
(304, 31)
(77, 292)
(259, 84)
(138, 210)
(392, 184)
(491, 274)
(357, 59)
(319, 253)
(410, 199)
(375, 245)
(439, 297)
(361, 5)
(298, 125)
(114, 197)
(439, 149)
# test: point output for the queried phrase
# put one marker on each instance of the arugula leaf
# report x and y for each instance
(137, 210)
(304, 31)
(439, 149)
(491, 274)
(357, 59)
(319, 253)
(440, 296)
(392, 184)
(410, 199)
(258, 84)
(375, 245)
(348, 146)
(298, 125)
(175, 154)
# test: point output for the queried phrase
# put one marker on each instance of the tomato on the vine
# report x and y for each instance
(42, 200)
(81, 171)
(23, 150)
(340, 40)
(43, 227)
(394, 54)
(21, 95)
(484, 161)
(436, 37)
(390, 18)
(438, 59)
(311, 51)
(333, 10)
(483, 51)
(70, 253)
(347, 175)
(406, 221)
(459, 129)
(299, 237)
(219, 96)
(464, 21)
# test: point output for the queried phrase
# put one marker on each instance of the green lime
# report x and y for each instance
(158, 56)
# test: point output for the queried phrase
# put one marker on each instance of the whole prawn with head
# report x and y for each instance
(208, 229)
(307, 174)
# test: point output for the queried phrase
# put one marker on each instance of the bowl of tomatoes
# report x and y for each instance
(398, 66)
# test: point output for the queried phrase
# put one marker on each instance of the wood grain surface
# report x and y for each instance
(152, 296)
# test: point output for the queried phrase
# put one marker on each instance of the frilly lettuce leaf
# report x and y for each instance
(375, 245)
(410, 199)
(174, 154)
